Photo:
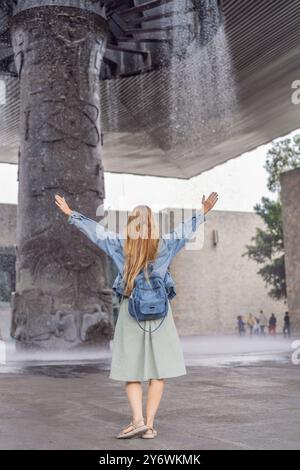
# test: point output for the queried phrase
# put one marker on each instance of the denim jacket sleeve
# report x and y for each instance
(177, 238)
(170, 285)
(105, 239)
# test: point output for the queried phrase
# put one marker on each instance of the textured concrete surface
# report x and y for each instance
(290, 194)
(215, 284)
(79, 407)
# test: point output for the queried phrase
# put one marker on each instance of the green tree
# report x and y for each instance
(267, 248)
(284, 155)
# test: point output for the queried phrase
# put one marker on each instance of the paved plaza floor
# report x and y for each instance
(236, 404)
(239, 393)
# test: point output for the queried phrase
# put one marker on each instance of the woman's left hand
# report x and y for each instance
(208, 204)
(61, 203)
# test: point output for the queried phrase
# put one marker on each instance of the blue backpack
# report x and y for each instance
(148, 302)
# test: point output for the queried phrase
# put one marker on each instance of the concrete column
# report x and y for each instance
(61, 297)
(290, 197)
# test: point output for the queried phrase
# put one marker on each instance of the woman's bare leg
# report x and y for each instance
(134, 392)
(155, 391)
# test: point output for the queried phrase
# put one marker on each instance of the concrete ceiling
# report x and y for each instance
(264, 44)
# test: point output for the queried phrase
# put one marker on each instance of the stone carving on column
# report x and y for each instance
(62, 298)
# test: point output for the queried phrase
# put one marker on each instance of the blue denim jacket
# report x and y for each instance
(112, 244)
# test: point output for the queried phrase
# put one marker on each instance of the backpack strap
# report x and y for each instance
(150, 331)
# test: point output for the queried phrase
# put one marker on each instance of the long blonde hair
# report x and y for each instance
(141, 244)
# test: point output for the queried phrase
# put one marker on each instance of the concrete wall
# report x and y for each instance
(214, 284)
(8, 225)
(290, 197)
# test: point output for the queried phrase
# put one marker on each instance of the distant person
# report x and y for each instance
(256, 327)
(263, 322)
(286, 325)
(241, 325)
(250, 323)
(272, 325)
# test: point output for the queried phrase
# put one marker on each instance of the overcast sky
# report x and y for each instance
(240, 183)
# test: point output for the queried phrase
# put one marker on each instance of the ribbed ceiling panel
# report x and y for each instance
(264, 43)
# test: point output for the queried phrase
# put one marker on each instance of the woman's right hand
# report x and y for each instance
(208, 204)
(60, 201)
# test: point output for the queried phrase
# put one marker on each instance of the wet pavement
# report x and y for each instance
(245, 395)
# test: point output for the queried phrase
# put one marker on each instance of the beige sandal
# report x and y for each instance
(137, 430)
(151, 435)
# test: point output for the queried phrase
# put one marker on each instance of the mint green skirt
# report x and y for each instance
(138, 355)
